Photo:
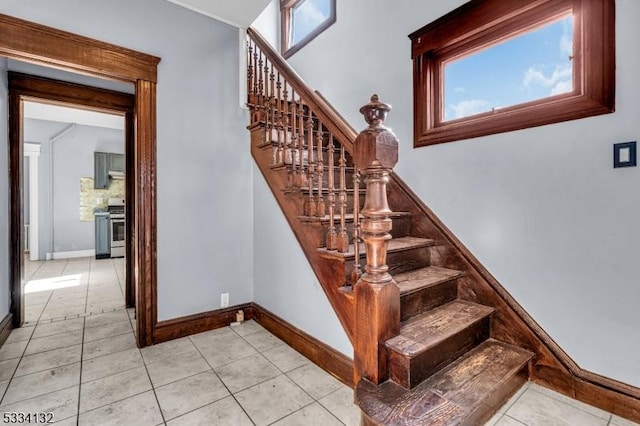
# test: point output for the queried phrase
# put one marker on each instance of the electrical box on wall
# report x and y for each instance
(624, 154)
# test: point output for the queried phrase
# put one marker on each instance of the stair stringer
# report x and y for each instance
(551, 366)
(327, 272)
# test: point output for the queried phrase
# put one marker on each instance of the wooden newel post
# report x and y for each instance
(376, 294)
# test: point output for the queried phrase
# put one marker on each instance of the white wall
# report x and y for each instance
(204, 172)
(542, 209)
(5, 290)
(284, 282)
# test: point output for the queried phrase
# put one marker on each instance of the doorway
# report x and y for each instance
(50, 47)
(105, 120)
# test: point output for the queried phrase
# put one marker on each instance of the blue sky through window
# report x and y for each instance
(307, 16)
(532, 66)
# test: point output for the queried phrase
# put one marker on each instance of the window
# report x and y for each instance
(304, 20)
(492, 66)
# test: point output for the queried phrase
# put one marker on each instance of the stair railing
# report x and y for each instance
(313, 143)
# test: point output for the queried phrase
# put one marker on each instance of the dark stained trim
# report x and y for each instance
(329, 359)
(25, 87)
(480, 23)
(6, 325)
(51, 47)
(47, 46)
(197, 323)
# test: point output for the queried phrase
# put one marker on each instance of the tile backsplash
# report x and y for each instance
(91, 198)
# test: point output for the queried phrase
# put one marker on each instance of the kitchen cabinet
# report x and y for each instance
(116, 163)
(103, 163)
(103, 237)
(100, 170)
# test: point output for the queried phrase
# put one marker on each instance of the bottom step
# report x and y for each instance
(467, 392)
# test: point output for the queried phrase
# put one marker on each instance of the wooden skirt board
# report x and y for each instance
(46, 46)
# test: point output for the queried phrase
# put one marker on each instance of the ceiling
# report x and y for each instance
(239, 13)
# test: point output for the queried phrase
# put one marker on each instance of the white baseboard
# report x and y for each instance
(72, 254)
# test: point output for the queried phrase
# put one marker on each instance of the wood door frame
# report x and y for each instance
(42, 45)
(40, 89)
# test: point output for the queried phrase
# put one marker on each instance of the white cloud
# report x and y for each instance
(560, 80)
(566, 44)
(307, 17)
(468, 107)
(459, 90)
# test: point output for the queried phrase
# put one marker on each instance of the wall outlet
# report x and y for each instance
(224, 300)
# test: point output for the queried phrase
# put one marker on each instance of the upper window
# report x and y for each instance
(492, 66)
(304, 20)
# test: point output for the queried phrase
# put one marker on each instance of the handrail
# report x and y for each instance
(330, 119)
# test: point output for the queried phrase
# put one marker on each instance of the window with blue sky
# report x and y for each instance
(307, 16)
(531, 66)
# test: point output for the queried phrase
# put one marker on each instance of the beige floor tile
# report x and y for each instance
(285, 358)
(7, 368)
(107, 330)
(246, 372)
(505, 420)
(102, 319)
(220, 336)
(223, 412)
(314, 380)
(247, 328)
(12, 350)
(272, 400)
(235, 348)
(171, 369)
(139, 410)
(71, 421)
(311, 415)
(166, 350)
(340, 404)
(584, 407)
(58, 327)
(67, 302)
(42, 383)
(118, 362)
(108, 346)
(534, 408)
(51, 313)
(494, 419)
(113, 388)
(513, 398)
(62, 403)
(48, 360)
(262, 340)
(57, 341)
(188, 394)
(619, 421)
(20, 334)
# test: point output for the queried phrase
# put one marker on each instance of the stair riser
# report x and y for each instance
(481, 415)
(428, 298)
(398, 262)
(409, 372)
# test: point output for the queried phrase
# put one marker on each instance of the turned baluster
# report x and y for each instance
(310, 205)
(332, 236)
(272, 114)
(250, 72)
(356, 226)
(294, 142)
(343, 237)
(320, 206)
(260, 101)
(279, 118)
(376, 295)
(285, 122)
(255, 74)
(301, 176)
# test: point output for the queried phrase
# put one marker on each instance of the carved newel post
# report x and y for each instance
(376, 294)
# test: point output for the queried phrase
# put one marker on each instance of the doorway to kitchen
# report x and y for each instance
(86, 135)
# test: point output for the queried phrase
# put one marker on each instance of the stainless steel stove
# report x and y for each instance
(116, 207)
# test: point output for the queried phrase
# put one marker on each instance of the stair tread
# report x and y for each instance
(395, 245)
(348, 217)
(409, 282)
(428, 329)
(451, 396)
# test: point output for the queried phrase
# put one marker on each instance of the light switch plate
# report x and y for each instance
(624, 154)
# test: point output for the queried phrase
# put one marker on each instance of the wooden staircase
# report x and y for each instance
(435, 343)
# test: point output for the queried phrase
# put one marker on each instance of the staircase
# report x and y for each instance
(434, 344)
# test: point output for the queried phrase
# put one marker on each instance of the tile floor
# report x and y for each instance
(76, 357)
